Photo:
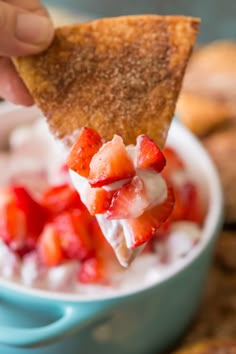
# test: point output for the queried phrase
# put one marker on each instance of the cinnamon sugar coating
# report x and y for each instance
(117, 75)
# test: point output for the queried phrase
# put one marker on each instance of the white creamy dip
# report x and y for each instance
(35, 160)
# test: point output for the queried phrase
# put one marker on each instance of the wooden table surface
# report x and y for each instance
(216, 317)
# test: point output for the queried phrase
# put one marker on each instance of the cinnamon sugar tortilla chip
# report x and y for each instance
(202, 114)
(211, 346)
(118, 75)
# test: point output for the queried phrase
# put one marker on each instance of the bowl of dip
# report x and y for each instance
(142, 314)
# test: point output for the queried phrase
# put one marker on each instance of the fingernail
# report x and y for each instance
(33, 29)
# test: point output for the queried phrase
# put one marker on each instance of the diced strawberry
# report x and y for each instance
(58, 199)
(36, 215)
(49, 247)
(74, 230)
(163, 230)
(149, 155)
(91, 271)
(161, 233)
(87, 144)
(6, 196)
(129, 201)
(144, 227)
(149, 247)
(98, 200)
(98, 267)
(13, 225)
(17, 229)
(173, 163)
(110, 164)
(187, 204)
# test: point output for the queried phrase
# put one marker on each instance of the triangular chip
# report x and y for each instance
(118, 75)
(210, 346)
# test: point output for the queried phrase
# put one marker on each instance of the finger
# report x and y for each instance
(23, 32)
(34, 6)
(11, 86)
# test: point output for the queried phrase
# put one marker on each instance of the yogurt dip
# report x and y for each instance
(35, 161)
(123, 187)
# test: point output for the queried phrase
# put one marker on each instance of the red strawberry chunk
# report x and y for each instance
(98, 267)
(149, 154)
(98, 200)
(149, 248)
(49, 247)
(187, 204)
(74, 230)
(110, 164)
(87, 144)
(57, 199)
(20, 226)
(36, 215)
(13, 226)
(129, 201)
(163, 230)
(173, 163)
(144, 227)
(91, 271)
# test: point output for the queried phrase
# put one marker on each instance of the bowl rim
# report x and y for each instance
(210, 230)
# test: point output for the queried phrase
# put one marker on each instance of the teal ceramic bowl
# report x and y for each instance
(146, 320)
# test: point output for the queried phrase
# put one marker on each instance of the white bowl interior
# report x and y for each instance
(201, 168)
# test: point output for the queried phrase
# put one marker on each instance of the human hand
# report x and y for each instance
(25, 28)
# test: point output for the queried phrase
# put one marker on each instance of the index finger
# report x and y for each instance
(23, 32)
(34, 6)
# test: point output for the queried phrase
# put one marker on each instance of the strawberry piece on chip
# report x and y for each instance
(98, 200)
(129, 201)
(144, 227)
(111, 164)
(87, 144)
(149, 155)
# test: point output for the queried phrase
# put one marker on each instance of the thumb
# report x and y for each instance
(23, 32)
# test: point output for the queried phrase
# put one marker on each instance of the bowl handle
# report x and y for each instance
(71, 320)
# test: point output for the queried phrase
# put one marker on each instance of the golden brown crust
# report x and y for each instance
(216, 346)
(200, 114)
(208, 95)
(212, 71)
(222, 148)
(119, 75)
